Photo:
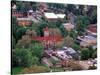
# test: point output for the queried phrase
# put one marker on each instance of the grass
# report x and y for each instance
(57, 69)
(16, 70)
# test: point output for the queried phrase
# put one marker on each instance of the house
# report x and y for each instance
(62, 55)
(50, 16)
(47, 39)
(87, 41)
(68, 26)
(24, 21)
(70, 51)
(90, 39)
(92, 30)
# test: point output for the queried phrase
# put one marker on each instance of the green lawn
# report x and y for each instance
(16, 70)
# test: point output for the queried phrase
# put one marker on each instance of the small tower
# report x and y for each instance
(30, 13)
(46, 31)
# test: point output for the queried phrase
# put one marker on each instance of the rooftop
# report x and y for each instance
(23, 19)
(68, 26)
(60, 15)
(92, 28)
(71, 50)
(48, 38)
(53, 15)
(31, 11)
(50, 15)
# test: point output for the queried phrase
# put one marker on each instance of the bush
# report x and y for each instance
(35, 69)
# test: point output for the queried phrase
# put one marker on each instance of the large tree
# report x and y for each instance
(22, 57)
(37, 50)
(81, 24)
(31, 33)
(92, 14)
(24, 42)
(68, 41)
(70, 8)
(54, 31)
(64, 32)
(85, 54)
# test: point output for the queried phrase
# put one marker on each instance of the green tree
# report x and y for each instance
(31, 33)
(24, 42)
(22, 57)
(35, 60)
(81, 10)
(85, 54)
(54, 31)
(40, 28)
(75, 46)
(20, 32)
(70, 8)
(73, 34)
(94, 55)
(91, 51)
(81, 24)
(37, 50)
(13, 42)
(64, 32)
(17, 31)
(92, 14)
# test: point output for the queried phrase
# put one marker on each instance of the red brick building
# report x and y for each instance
(48, 40)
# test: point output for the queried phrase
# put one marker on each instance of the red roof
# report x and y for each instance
(48, 38)
(92, 28)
